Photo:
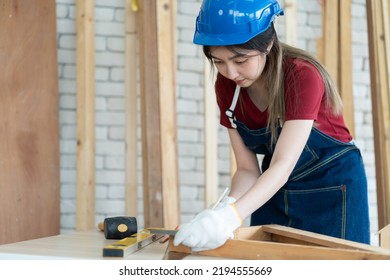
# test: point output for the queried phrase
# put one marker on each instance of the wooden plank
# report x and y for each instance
(334, 50)
(79, 245)
(159, 149)
(305, 237)
(331, 38)
(290, 11)
(166, 27)
(320, 41)
(131, 110)
(256, 245)
(345, 63)
(85, 204)
(29, 121)
(264, 250)
(150, 112)
(378, 32)
(211, 137)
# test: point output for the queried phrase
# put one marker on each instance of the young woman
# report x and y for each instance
(280, 102)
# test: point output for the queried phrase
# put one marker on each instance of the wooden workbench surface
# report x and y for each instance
(86, 245)
(77, 245)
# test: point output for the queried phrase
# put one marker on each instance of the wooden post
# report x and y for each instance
(211, 135)
(379, 49)
(335, 52)
(85, 216)
(345, 63)
(131, 109)
(158, 112)
(166, 30)
(290, 11)
(331, 38)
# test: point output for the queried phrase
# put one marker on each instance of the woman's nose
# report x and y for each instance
(231, 72)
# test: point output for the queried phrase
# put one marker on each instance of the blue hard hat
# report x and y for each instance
(233, 22)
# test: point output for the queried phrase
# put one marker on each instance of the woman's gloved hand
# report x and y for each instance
(223, 202)
(209, 229)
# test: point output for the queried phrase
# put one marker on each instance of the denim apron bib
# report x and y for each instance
(326, 192)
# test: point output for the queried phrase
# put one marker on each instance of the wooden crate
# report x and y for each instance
(274, 242)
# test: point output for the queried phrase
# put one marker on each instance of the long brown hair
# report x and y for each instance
(273, 74)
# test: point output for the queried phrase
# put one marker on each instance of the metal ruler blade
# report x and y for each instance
(163, 231)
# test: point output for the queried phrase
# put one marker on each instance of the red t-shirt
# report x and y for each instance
(304, 100)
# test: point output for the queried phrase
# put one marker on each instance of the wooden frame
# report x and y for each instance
(335, 51)
(379, 48)
(274, 242)
(290, 7)
(166, 30)
(131, 110)
(85, 201)
(158, 113)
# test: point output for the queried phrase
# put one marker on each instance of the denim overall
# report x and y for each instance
(327, 191)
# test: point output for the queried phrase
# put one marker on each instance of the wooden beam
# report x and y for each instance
(158, 112)
(379, 50)
(320, 41)
(345, 63)
(85, 206)
(150, 112)
(211, 136)
(335, 52)
(290, 10)
(166, 30)
(331, 38)
(131, 109)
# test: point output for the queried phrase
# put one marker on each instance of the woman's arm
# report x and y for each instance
(289, 147)
(212, 227)
(247, 166)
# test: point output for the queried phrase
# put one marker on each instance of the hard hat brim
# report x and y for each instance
(222, 40)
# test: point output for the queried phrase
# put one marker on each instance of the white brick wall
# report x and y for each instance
(109, 48)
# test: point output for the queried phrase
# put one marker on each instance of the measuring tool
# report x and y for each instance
(138, 240)
(128, 245)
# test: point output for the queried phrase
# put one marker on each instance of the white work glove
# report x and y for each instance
(223, 202)
(209, 229)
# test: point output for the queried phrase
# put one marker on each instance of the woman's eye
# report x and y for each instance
(241, 61)
(217, 61)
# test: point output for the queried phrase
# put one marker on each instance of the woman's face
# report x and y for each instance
(244, 68)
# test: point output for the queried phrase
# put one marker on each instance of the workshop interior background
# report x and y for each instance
(110, 117)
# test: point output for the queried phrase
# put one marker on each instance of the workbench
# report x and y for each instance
(77, 245)
(85, 245)
(79, 254)
(262, 242)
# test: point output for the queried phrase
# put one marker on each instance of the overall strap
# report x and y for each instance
(230, 112)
